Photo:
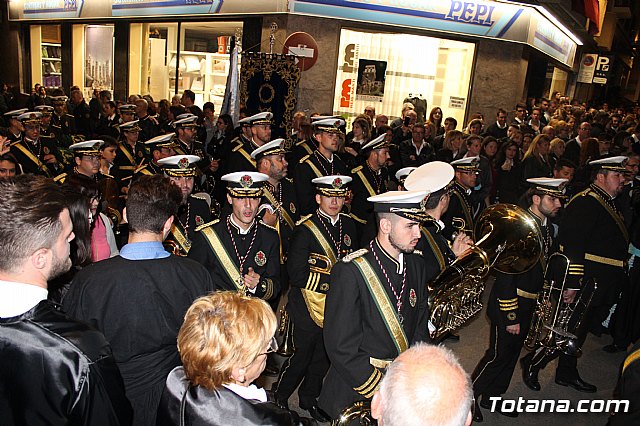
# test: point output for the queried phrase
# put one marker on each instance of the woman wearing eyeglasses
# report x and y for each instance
(223, 344)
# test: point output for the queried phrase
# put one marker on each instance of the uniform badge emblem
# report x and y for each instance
(292, 207)
(140, 154)
(199, 220)
(413, 298)
(45, 150)
(261, 258)
(183, 163)
(511, 316)
(246, 182)
(337, 183)
(347, 240)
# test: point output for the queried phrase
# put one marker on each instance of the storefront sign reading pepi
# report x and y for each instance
(493, 19)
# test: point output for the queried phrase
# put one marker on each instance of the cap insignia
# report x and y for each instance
(183, 163)
(246, 181)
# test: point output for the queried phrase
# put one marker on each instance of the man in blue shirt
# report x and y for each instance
(138, 299)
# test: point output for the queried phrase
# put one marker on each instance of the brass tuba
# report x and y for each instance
(554, 321)
(507, 239)
(359, 412)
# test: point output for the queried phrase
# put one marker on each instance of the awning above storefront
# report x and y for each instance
(27, 10)
(491, 19)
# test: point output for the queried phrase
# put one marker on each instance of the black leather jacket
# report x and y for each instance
(184, 404)
(57, 371)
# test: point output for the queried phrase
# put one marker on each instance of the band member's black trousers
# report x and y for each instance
(493, 373)
(306, 367)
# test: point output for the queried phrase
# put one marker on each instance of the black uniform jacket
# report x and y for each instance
(366, 183)
(263, 256)
(299, 150)
(240, 156)
(514, 295)
(197, 149)
(460, 207)
(309, 265)
(310, 167)
(594, 238)
(435, 249)
(628, 388)
(31, 156)
(128, 160)
(149, 128)
(66, 124)
(185, 404)
(58, 371)
(285, 202)
(198, 213)
(355, 330)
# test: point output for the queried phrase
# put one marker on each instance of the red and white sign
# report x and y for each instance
(303, 47)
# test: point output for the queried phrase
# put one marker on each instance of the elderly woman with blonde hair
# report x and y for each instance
(223, 344)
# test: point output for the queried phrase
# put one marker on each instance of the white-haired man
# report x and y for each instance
(425, 385)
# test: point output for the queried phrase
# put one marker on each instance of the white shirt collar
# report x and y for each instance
(18, 298)
(440, 224)
(240, 230)
(418, 150)
(329, 218)
(247, 392)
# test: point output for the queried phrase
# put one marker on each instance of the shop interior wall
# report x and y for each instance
(316, 87)
(499, 78)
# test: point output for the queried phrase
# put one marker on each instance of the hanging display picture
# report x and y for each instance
(371, 78)
(98, 57)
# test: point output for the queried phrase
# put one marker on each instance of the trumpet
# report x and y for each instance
(285, 330)
(460, 226)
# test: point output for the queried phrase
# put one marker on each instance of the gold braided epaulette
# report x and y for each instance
(348, 258)
(204, 225)
(303, 218)
(268, 226)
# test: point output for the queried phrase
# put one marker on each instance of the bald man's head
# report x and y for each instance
(425, 385)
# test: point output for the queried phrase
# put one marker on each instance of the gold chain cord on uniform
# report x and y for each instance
(404, 282)
(375, 178)
(339, 243)
(241, 259)
(326, 172)
(28, 142)
(186, 226)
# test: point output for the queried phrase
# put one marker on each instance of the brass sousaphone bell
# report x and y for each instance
(508, 239)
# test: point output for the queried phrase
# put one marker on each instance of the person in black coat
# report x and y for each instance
(223, 344)
(593, 236)
(322, 162)
(572, 149)
(54, 369)
(508, 174)
(319, 241)
(513, 300)
(194, 210)
(138, 299)
(377, 304)
(241, 252)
